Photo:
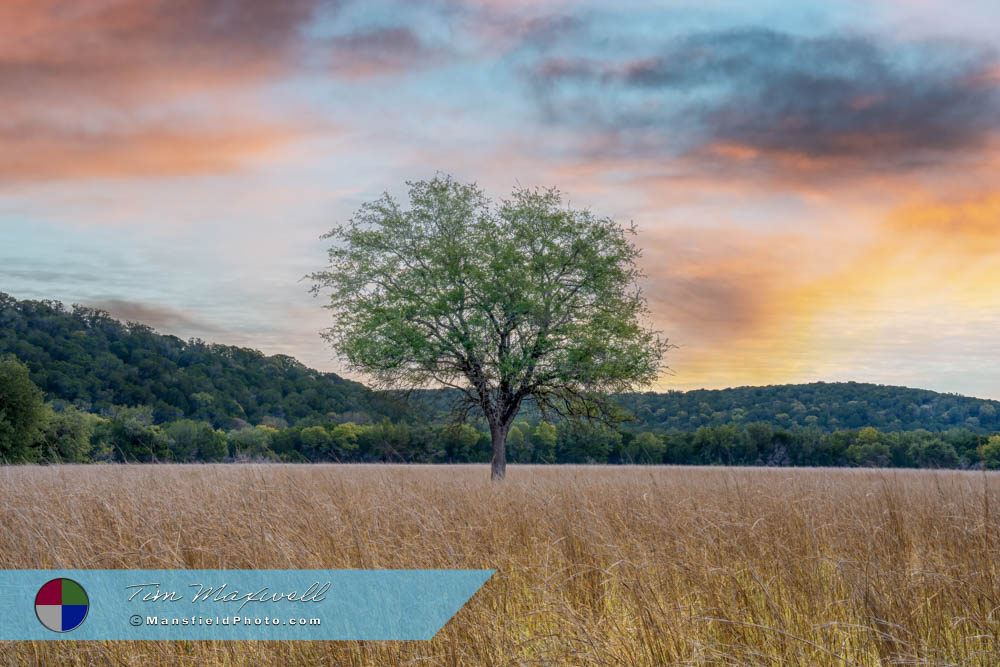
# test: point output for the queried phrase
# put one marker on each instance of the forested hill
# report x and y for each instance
(827, 406)
(85, 357)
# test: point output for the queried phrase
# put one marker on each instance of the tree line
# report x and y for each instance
(827, 406)
(32, 430)
(86, 358)
(77, 385)
(823, 405)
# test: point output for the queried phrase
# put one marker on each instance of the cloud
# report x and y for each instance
(33, 275)
(382, 51)
(118, 50)
(719, 294)
(123, 88)
(531, 27)
(769, 307)
(760, 98)
(33, 152)
(162, 318)
(970, 223)
(942, 248)
(709, 288)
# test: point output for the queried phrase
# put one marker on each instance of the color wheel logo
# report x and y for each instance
(61, 605)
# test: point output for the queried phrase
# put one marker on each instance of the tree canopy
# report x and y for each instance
(501, 301)
(22, 413)
(84, 356)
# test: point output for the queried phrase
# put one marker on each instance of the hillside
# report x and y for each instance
(827, 406)
(84, 357)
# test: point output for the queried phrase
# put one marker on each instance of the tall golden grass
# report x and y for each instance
(595, 565)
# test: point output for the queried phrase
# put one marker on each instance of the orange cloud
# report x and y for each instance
(718, 293)
(52, 38)
(109, 88)
(42, 153)
(764, 308)
(972, 223)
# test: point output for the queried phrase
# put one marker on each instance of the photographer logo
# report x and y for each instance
(61, 605)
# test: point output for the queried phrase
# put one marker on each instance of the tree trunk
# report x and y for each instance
(499, 467)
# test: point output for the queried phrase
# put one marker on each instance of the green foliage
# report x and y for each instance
(195, 441)
(645, 447)
(869, 449)
(517, 444)
(67, 436)
(990, 452)
(460, 443)
(23, 415)
(66, 353)
(726, 444)
(252, 443)
(130, 435)
(826, 406)
(585, 442)
(875, 455)
(315, 442)
(521, 298)
(539, 296)
(86, 358)
(933, 453)
(543, 443)
(134, 437)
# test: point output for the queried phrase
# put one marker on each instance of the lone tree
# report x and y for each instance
(524, 299)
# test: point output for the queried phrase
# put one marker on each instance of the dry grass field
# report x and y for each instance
(595, 565)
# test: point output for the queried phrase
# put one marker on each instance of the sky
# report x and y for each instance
(814, 182)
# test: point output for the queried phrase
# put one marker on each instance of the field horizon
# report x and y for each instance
(596, 564)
